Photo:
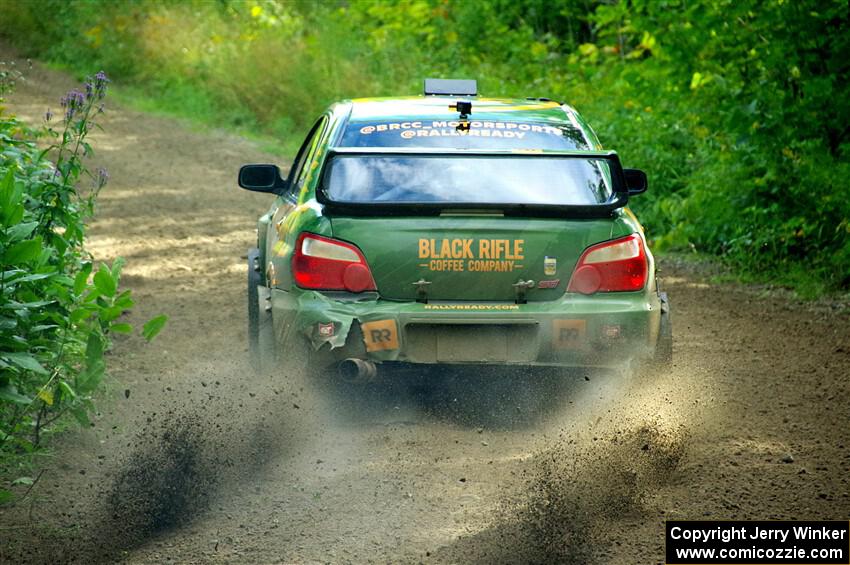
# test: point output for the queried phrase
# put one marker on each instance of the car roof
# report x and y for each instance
(437, 107)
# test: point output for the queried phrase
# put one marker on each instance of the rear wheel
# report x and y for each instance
(261, 346)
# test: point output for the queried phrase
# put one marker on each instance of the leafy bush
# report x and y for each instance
(734, 107)
(57, 310)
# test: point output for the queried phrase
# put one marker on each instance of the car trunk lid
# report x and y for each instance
(471, 256)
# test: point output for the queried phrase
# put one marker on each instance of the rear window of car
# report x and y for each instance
(481, 134)
(460, 179)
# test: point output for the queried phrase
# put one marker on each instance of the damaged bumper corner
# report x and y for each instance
(576, 331)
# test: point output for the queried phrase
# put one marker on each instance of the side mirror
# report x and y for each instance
(261, 178)
(635, 181)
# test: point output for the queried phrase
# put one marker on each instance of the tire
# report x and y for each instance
(261, 347)
(664, 345)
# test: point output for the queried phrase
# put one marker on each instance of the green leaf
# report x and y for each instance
(22, 251)
(79, 315)
(20, 231)
(105, 282)
(153, 326)
(94, 350)
(10, 198)
(117, 266)
(121, 328)
(81, 416)
(33, 277)
(88, 380)
(124, 300)
(23, 481)
(14, 215)
(25, 361)
(29, 305)
(111, 313)
(81, 280)
(5, 496)
(697, 80)
(10, 393)
(7, 187)
(67, 390)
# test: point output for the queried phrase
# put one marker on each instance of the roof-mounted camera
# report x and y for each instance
(464, 107)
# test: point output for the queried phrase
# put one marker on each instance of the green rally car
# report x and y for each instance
(452, 229)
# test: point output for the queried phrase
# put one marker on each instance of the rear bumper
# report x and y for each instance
(575, 331)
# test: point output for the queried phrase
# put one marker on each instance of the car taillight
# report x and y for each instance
(613, 266)
(322, 263)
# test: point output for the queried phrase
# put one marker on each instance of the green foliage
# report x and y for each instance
(153, 326)
(56, 317)
(736, 109)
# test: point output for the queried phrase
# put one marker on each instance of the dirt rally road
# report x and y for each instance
(195, 460)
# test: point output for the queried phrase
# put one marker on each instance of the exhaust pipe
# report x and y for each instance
(356, 371)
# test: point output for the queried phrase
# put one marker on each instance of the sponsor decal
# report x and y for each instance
(475, 255)
(380, 335)
(549, 284)
(611, 331)
(457, 128)
(471, 306)
(568, 334)
(550, 266)
(326, 330)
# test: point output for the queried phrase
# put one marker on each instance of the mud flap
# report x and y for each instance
(265, 358)
(664, 344)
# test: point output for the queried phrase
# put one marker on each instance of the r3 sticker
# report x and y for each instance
(568, 334)
(380, 335)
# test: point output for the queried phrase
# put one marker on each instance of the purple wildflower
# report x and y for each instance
(65, 102)
(100, 82)
(73, 102)
(48, 115)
